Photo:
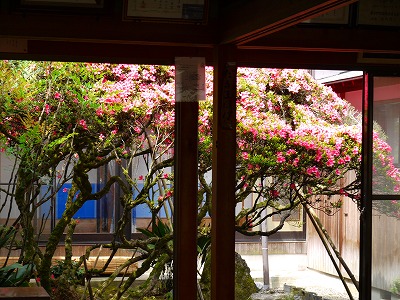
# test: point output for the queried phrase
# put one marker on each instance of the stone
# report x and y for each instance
(259, 285)
(287, 288)
(270, 295)
(244, 283)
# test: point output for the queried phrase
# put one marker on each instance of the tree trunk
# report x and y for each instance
(23, 201)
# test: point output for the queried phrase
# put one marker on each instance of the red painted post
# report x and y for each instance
(185, 192)
(223, 177)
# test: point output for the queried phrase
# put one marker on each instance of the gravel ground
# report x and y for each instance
(312, 282)
(327, 286)
(291, 270)
(277, 294)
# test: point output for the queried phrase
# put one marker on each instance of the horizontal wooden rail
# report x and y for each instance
(24, 293)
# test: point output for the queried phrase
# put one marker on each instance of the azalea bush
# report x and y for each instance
(62, 120)
(296, 140)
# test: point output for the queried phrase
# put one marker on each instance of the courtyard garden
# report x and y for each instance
(63, 122)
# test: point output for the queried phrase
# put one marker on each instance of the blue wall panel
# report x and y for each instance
(87, 211)
(142, 210)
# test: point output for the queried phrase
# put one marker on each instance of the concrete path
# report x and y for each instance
(292, 270)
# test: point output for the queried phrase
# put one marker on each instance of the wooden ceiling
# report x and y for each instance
(263, 33)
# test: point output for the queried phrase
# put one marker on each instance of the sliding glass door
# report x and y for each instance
(381, 189)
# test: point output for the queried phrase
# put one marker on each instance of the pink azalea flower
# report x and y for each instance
(280, 158)
(274, 193)
(245, 155)
(83, 124)
(313, 171)
(99, 111)
(290, 152)
(330, 162)
(47, 108)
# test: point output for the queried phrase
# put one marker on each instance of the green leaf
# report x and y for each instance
(6, 233)
(161, 229)
(146, 232)
(10, 267)
(15, 274)
(61, 140)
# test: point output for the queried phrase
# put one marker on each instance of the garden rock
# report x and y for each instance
(244, 283)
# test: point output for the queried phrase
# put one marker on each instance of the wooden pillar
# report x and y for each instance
(223, 176)
(366, 191)
(185, 196)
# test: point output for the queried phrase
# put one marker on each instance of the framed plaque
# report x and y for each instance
(379, 12)
(337, 16)
(166, 10)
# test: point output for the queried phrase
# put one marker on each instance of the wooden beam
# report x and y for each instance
(250, 20)
(223, 176)
(328, 39)
(185, 200)
(297, 59)
(111, 29)
(107, 52)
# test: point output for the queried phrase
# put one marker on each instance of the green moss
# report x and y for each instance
(244, 283)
